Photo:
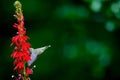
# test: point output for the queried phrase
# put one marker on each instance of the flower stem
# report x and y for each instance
(24, 72)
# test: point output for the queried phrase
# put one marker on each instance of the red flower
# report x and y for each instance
(15, 40)
(20, 65)
(21, 53)
(29, 71)
(25, 46)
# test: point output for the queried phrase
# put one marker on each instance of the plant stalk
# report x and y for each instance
(24, 72)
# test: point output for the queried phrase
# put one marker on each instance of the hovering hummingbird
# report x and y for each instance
(36, 52)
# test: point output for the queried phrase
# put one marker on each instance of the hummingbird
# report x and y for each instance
(35, 53)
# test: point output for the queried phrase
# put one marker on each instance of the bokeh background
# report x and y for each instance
(84, 35)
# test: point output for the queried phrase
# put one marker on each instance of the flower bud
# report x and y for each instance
(17, 4)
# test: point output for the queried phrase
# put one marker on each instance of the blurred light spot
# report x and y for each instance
(72, 12)
(118, 15)
(92, 47)
(100, 50)
(96, 5)
(115, 8)
(104, 59)
(70, 51)
(110, 26)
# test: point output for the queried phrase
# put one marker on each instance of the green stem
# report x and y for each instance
(24, 72)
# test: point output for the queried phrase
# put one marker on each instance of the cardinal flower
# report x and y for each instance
(21, 52)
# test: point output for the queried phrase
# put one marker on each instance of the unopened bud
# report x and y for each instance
(17, 4)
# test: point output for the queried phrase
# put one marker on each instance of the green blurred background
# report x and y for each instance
(84, 35)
